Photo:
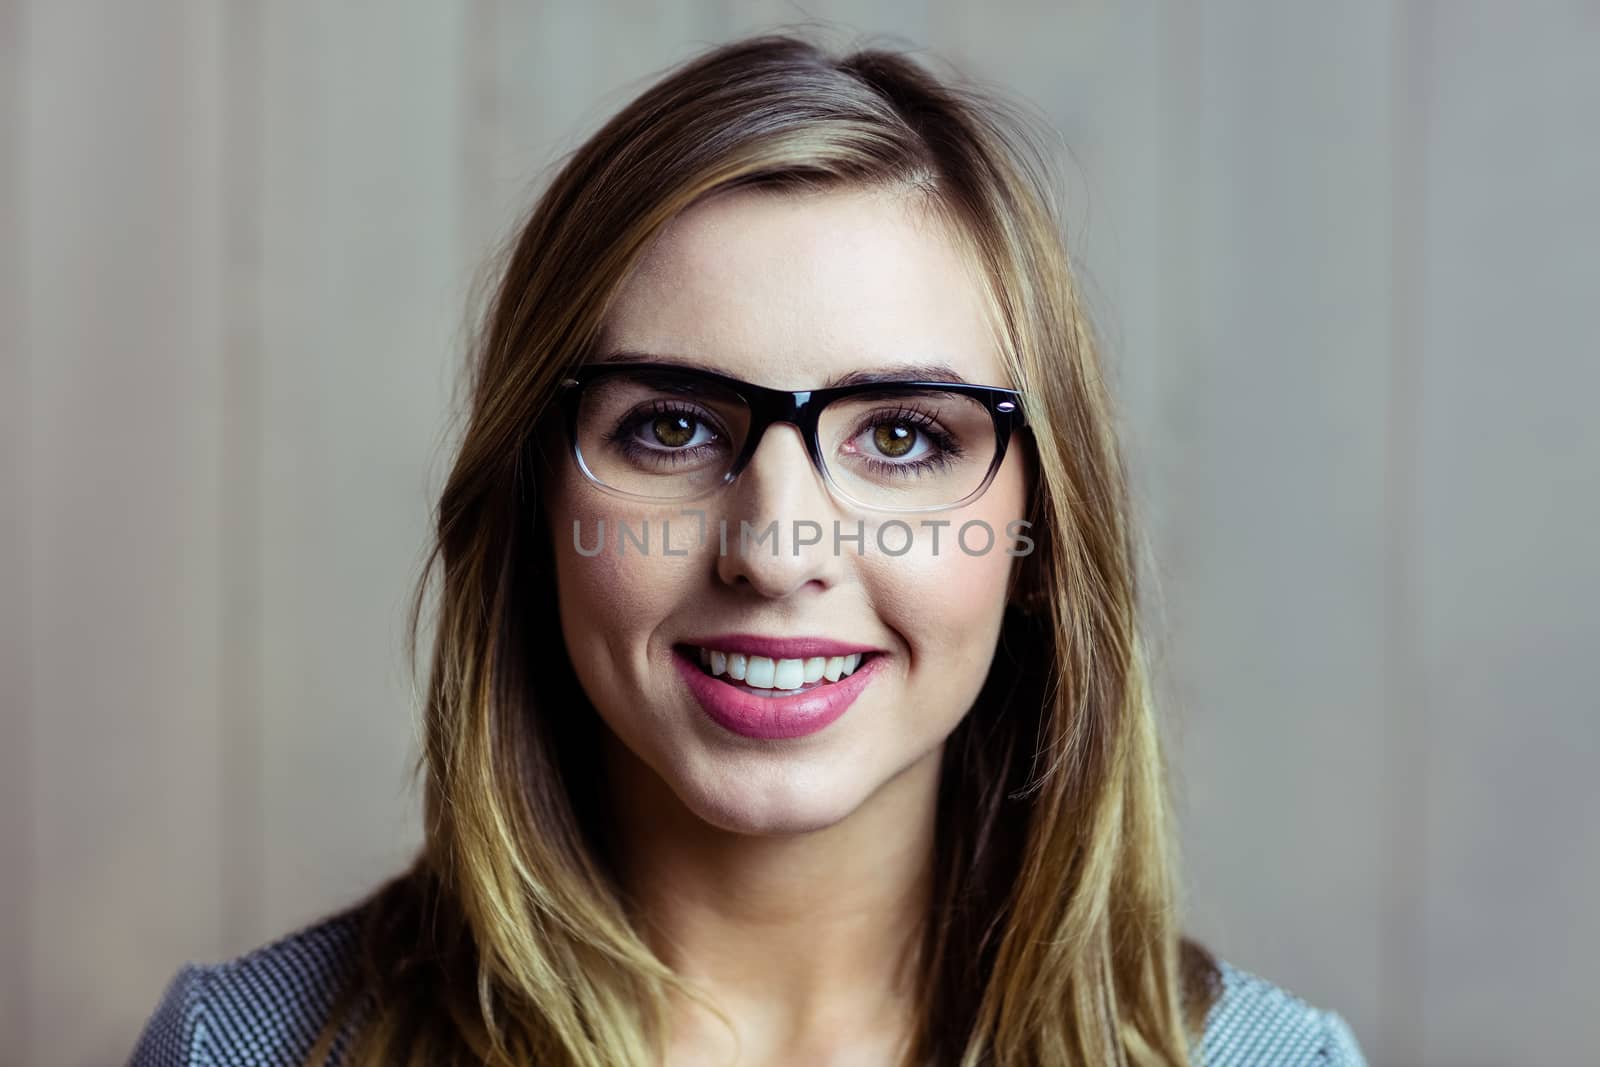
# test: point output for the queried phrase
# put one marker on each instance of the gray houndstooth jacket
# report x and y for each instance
(265, 1008)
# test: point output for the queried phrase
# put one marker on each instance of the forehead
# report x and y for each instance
(790, 290)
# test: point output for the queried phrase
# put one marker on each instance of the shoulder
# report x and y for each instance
(264, 1007)
(1255, 1023)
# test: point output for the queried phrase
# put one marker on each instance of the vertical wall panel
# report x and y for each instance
(362, 285)
(1402, 990)
(1509, 506)
(239, 578)
(1273, 369)
(544, 77)
(16, 698)
(120, 150)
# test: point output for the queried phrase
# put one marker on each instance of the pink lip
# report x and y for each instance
(779, 647)
(773, 718)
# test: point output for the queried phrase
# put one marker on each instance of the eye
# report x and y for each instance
(906, 436)
(894, 439)
(674, 431)
(667, 433)
(665, 426)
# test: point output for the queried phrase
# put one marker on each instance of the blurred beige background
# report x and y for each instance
(1343, 257)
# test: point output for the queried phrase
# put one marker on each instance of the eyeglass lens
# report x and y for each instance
(667, 437)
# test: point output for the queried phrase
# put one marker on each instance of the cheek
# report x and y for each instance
(948, 601)
(601, 597)
(605, 591)
(611, 598)
(946, 604)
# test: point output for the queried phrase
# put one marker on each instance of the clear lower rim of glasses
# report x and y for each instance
(833, 488)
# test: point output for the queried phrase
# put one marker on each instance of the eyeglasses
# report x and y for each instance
(662, 432)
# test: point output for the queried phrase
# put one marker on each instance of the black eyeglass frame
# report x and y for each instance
(800, 408)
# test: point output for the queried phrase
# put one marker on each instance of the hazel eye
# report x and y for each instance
(674, 431)
(902, 437)
(894, 439)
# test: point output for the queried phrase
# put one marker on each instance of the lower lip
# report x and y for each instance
(773, 718)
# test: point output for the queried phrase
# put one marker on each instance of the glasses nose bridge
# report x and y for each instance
(768, 407)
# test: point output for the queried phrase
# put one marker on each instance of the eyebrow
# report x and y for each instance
(933, 371)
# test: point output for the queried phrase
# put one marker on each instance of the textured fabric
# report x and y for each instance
(1257, 1024)
(264, 1009)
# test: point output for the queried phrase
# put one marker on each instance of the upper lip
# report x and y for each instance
(780, 647)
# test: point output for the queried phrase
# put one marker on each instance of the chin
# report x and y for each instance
(785, 798)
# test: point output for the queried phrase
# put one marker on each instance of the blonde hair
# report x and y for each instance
(1053, 936)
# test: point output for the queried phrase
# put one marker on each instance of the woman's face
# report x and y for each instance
(788, 291)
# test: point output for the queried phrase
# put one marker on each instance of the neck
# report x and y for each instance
(795, 935)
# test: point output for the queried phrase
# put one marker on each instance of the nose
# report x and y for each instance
(780, 521)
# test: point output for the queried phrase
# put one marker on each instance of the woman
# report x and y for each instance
(788, 702)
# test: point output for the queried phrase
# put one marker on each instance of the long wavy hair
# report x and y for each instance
(1053, 935)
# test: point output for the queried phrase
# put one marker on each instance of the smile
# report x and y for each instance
(776, 697)
(763, 674)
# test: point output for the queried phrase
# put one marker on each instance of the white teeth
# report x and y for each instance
(759, 673)
(789, 674)
(763, 672)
